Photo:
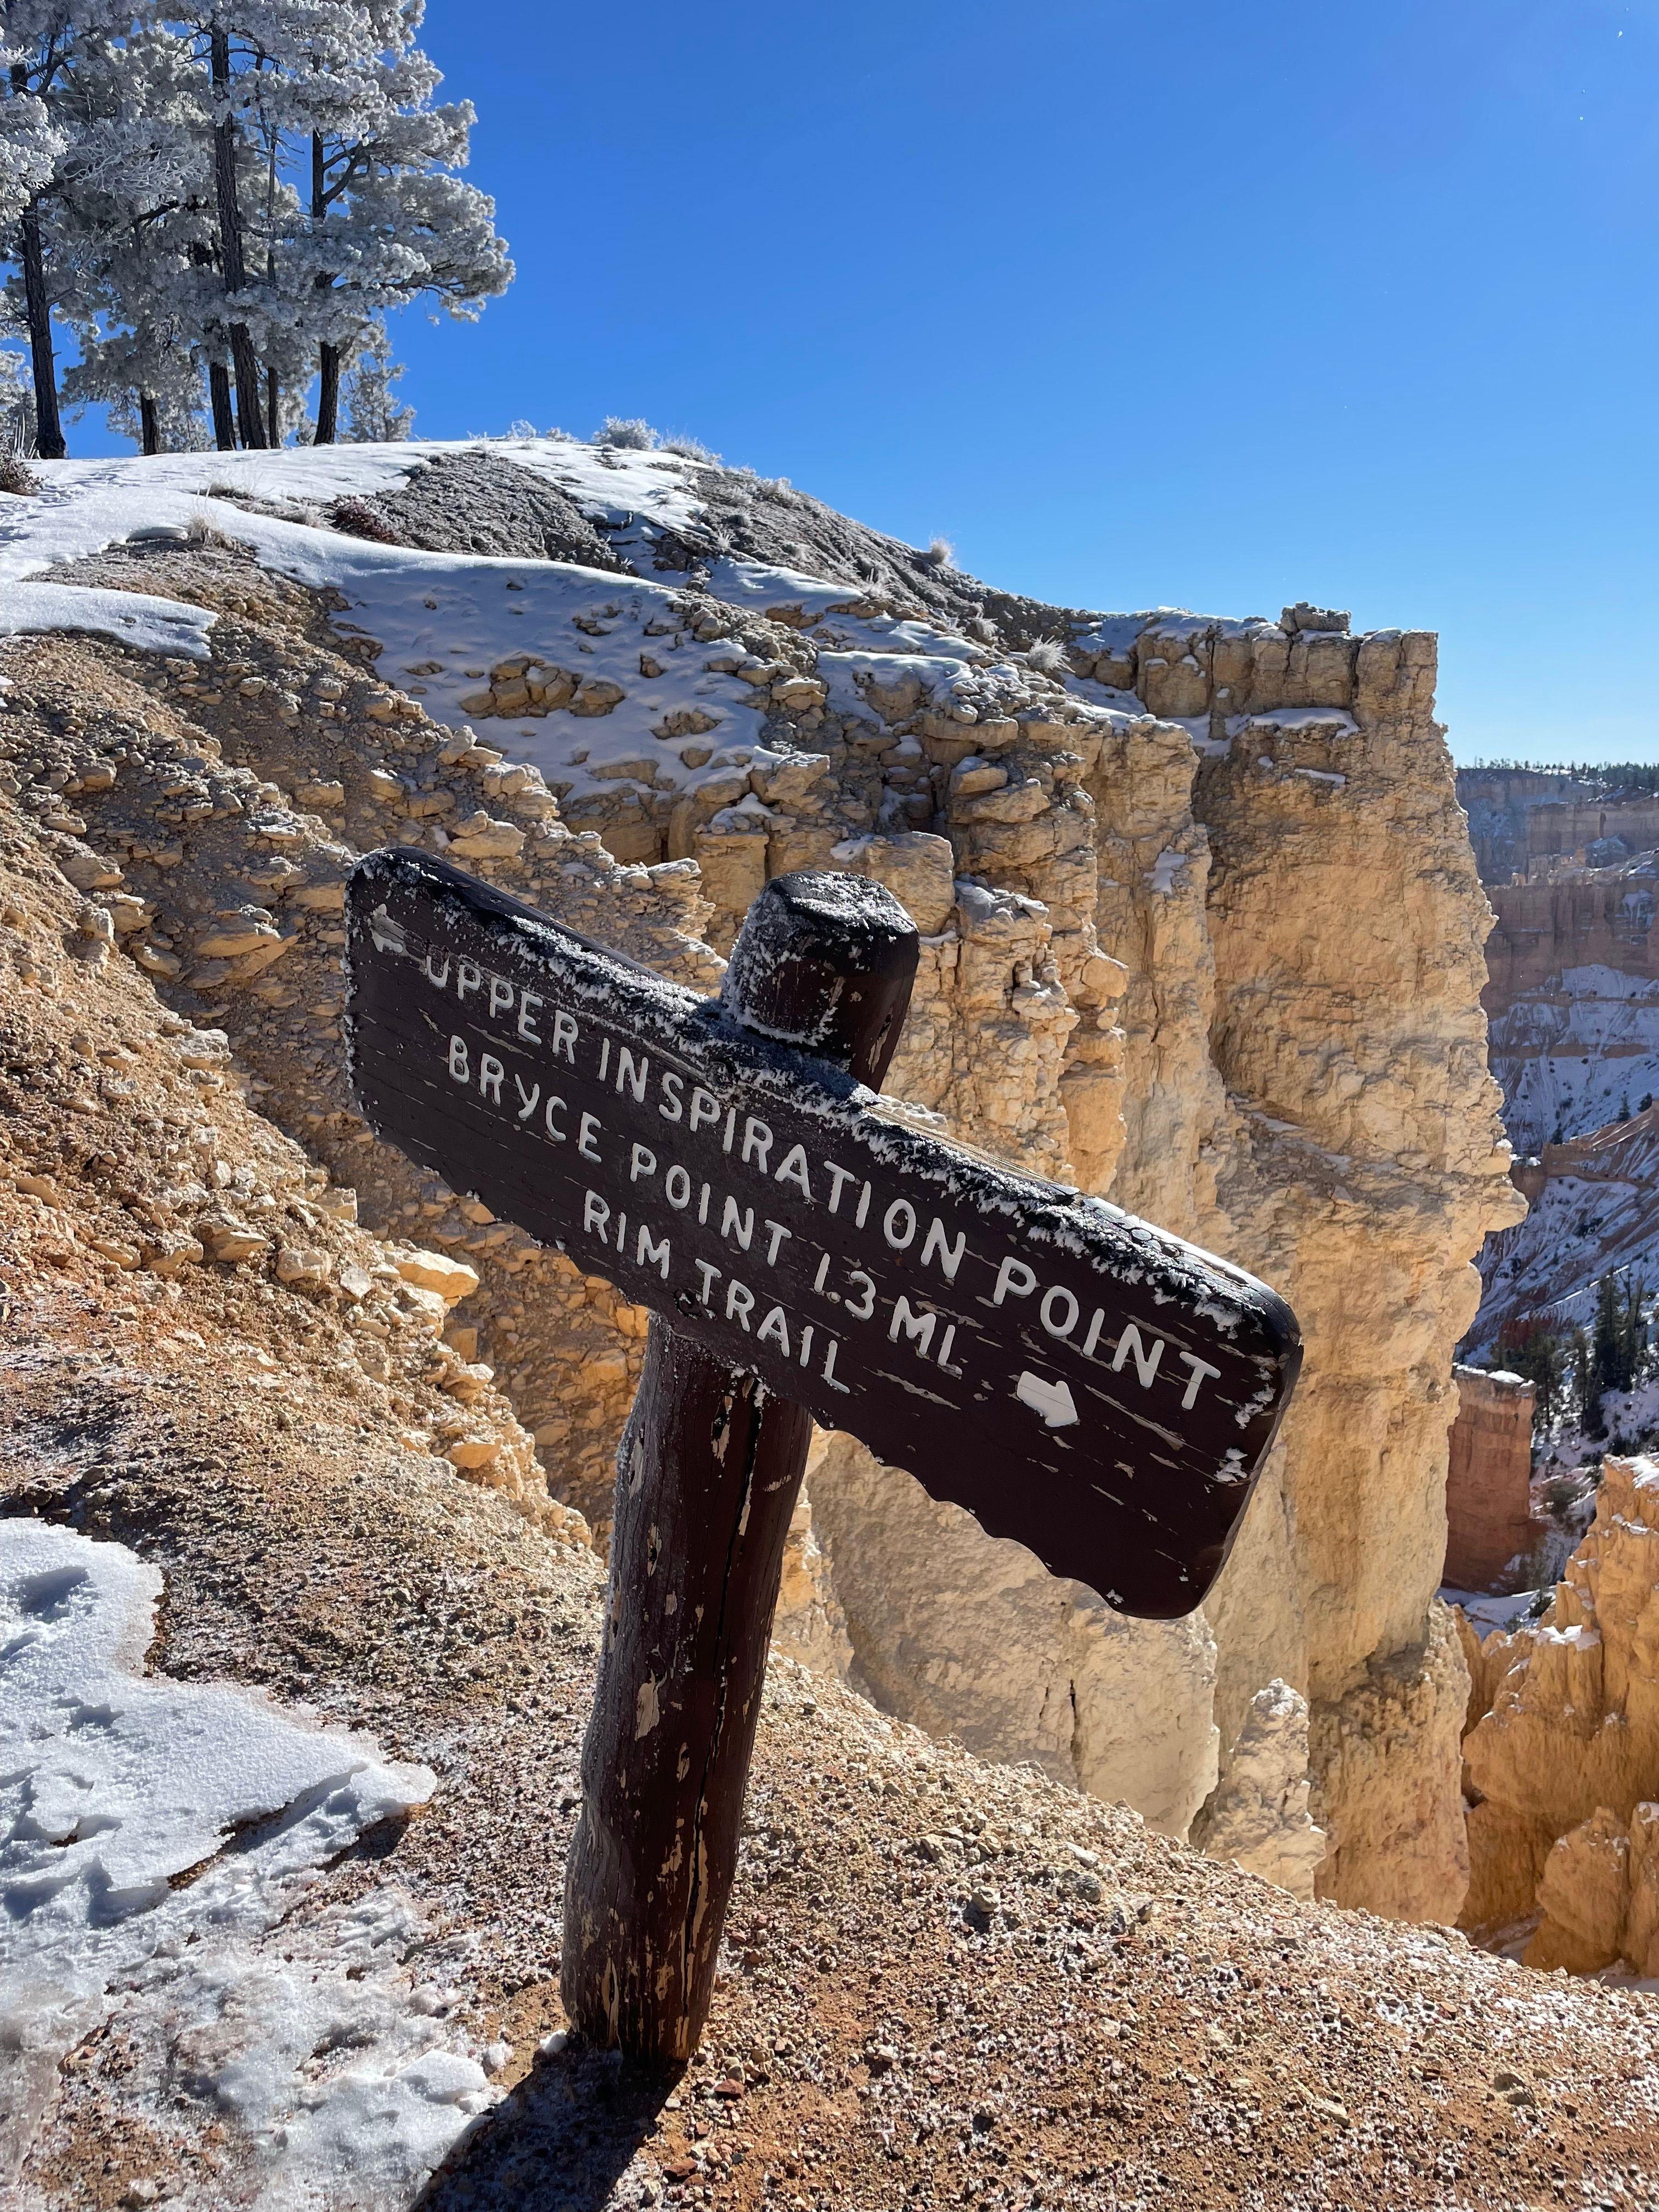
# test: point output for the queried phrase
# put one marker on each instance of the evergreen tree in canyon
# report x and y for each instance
(233, 200)
(1621, 1336)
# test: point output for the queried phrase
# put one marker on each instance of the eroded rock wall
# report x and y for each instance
(1201, 929)
(210, 813)
(1563, 1763)
(1239, 942)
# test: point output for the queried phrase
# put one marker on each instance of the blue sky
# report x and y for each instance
(1214, 306)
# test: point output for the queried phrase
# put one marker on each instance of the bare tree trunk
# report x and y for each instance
(273, 410)
(328, 394)
(224, 427)
(328, 356)
(249, 422)
(149, 422)
(48, 424)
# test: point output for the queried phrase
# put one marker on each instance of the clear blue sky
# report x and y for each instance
(1216, 306)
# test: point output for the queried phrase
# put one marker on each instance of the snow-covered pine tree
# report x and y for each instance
(245, 188)
(227, 39)
(15, 415)
(40, 50)
(389, 221)
(135, 225)
(374, 416)
(334, 195)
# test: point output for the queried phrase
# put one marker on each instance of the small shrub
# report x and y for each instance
(691, 449)
(16, 475)
(356, 518)
(631, 431)
(939, 554)
(520, 428)
(1048, 657)
(1560, 1495)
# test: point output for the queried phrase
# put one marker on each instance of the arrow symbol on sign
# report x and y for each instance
(1053, 1401)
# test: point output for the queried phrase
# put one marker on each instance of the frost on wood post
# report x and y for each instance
(707, 1478)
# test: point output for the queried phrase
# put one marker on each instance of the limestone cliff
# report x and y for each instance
(1201, 929)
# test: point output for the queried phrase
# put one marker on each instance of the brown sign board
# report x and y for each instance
(1077, 1380)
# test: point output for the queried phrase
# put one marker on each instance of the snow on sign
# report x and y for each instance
(1077, 1380)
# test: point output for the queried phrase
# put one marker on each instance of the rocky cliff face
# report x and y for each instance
(1204, 934)
(1524, 821)
(1593, 1205)
(1491, 1538)
(1572, 999)
(1563, 1757)
(1572, 996)
(1201, 930)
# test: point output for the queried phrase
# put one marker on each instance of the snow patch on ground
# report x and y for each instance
(89, 505)
(158, 1840)
(1486, 1614)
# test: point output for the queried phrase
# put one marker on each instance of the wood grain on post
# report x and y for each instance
(708, 1472)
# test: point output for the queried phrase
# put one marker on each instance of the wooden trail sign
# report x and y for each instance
(1098, 1390)
(804, 1251)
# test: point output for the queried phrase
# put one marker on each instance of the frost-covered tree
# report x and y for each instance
(114, 239)
(42, 44)
(135, 226)
(388, 220)
(236, 189)
(375, 414)
(15, 415)
(334, 192)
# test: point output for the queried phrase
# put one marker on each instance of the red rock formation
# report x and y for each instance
(1489, 1528)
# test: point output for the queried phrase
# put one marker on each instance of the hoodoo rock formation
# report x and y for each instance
(1563, 1757)
(1491, 1536)
(1201, 931)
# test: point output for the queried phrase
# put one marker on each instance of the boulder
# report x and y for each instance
(453, 1279)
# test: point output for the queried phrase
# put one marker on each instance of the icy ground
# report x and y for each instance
(157, 1841)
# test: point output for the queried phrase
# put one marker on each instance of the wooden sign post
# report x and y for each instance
(1077, 1380)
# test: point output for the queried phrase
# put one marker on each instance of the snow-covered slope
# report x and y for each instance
(122, 1795)
(649, 706)
(1594, 1206)
(1574, 1058)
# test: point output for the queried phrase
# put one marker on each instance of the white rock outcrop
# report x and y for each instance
(1257, 1815)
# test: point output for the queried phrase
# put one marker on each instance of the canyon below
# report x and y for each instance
(1329, 1890)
